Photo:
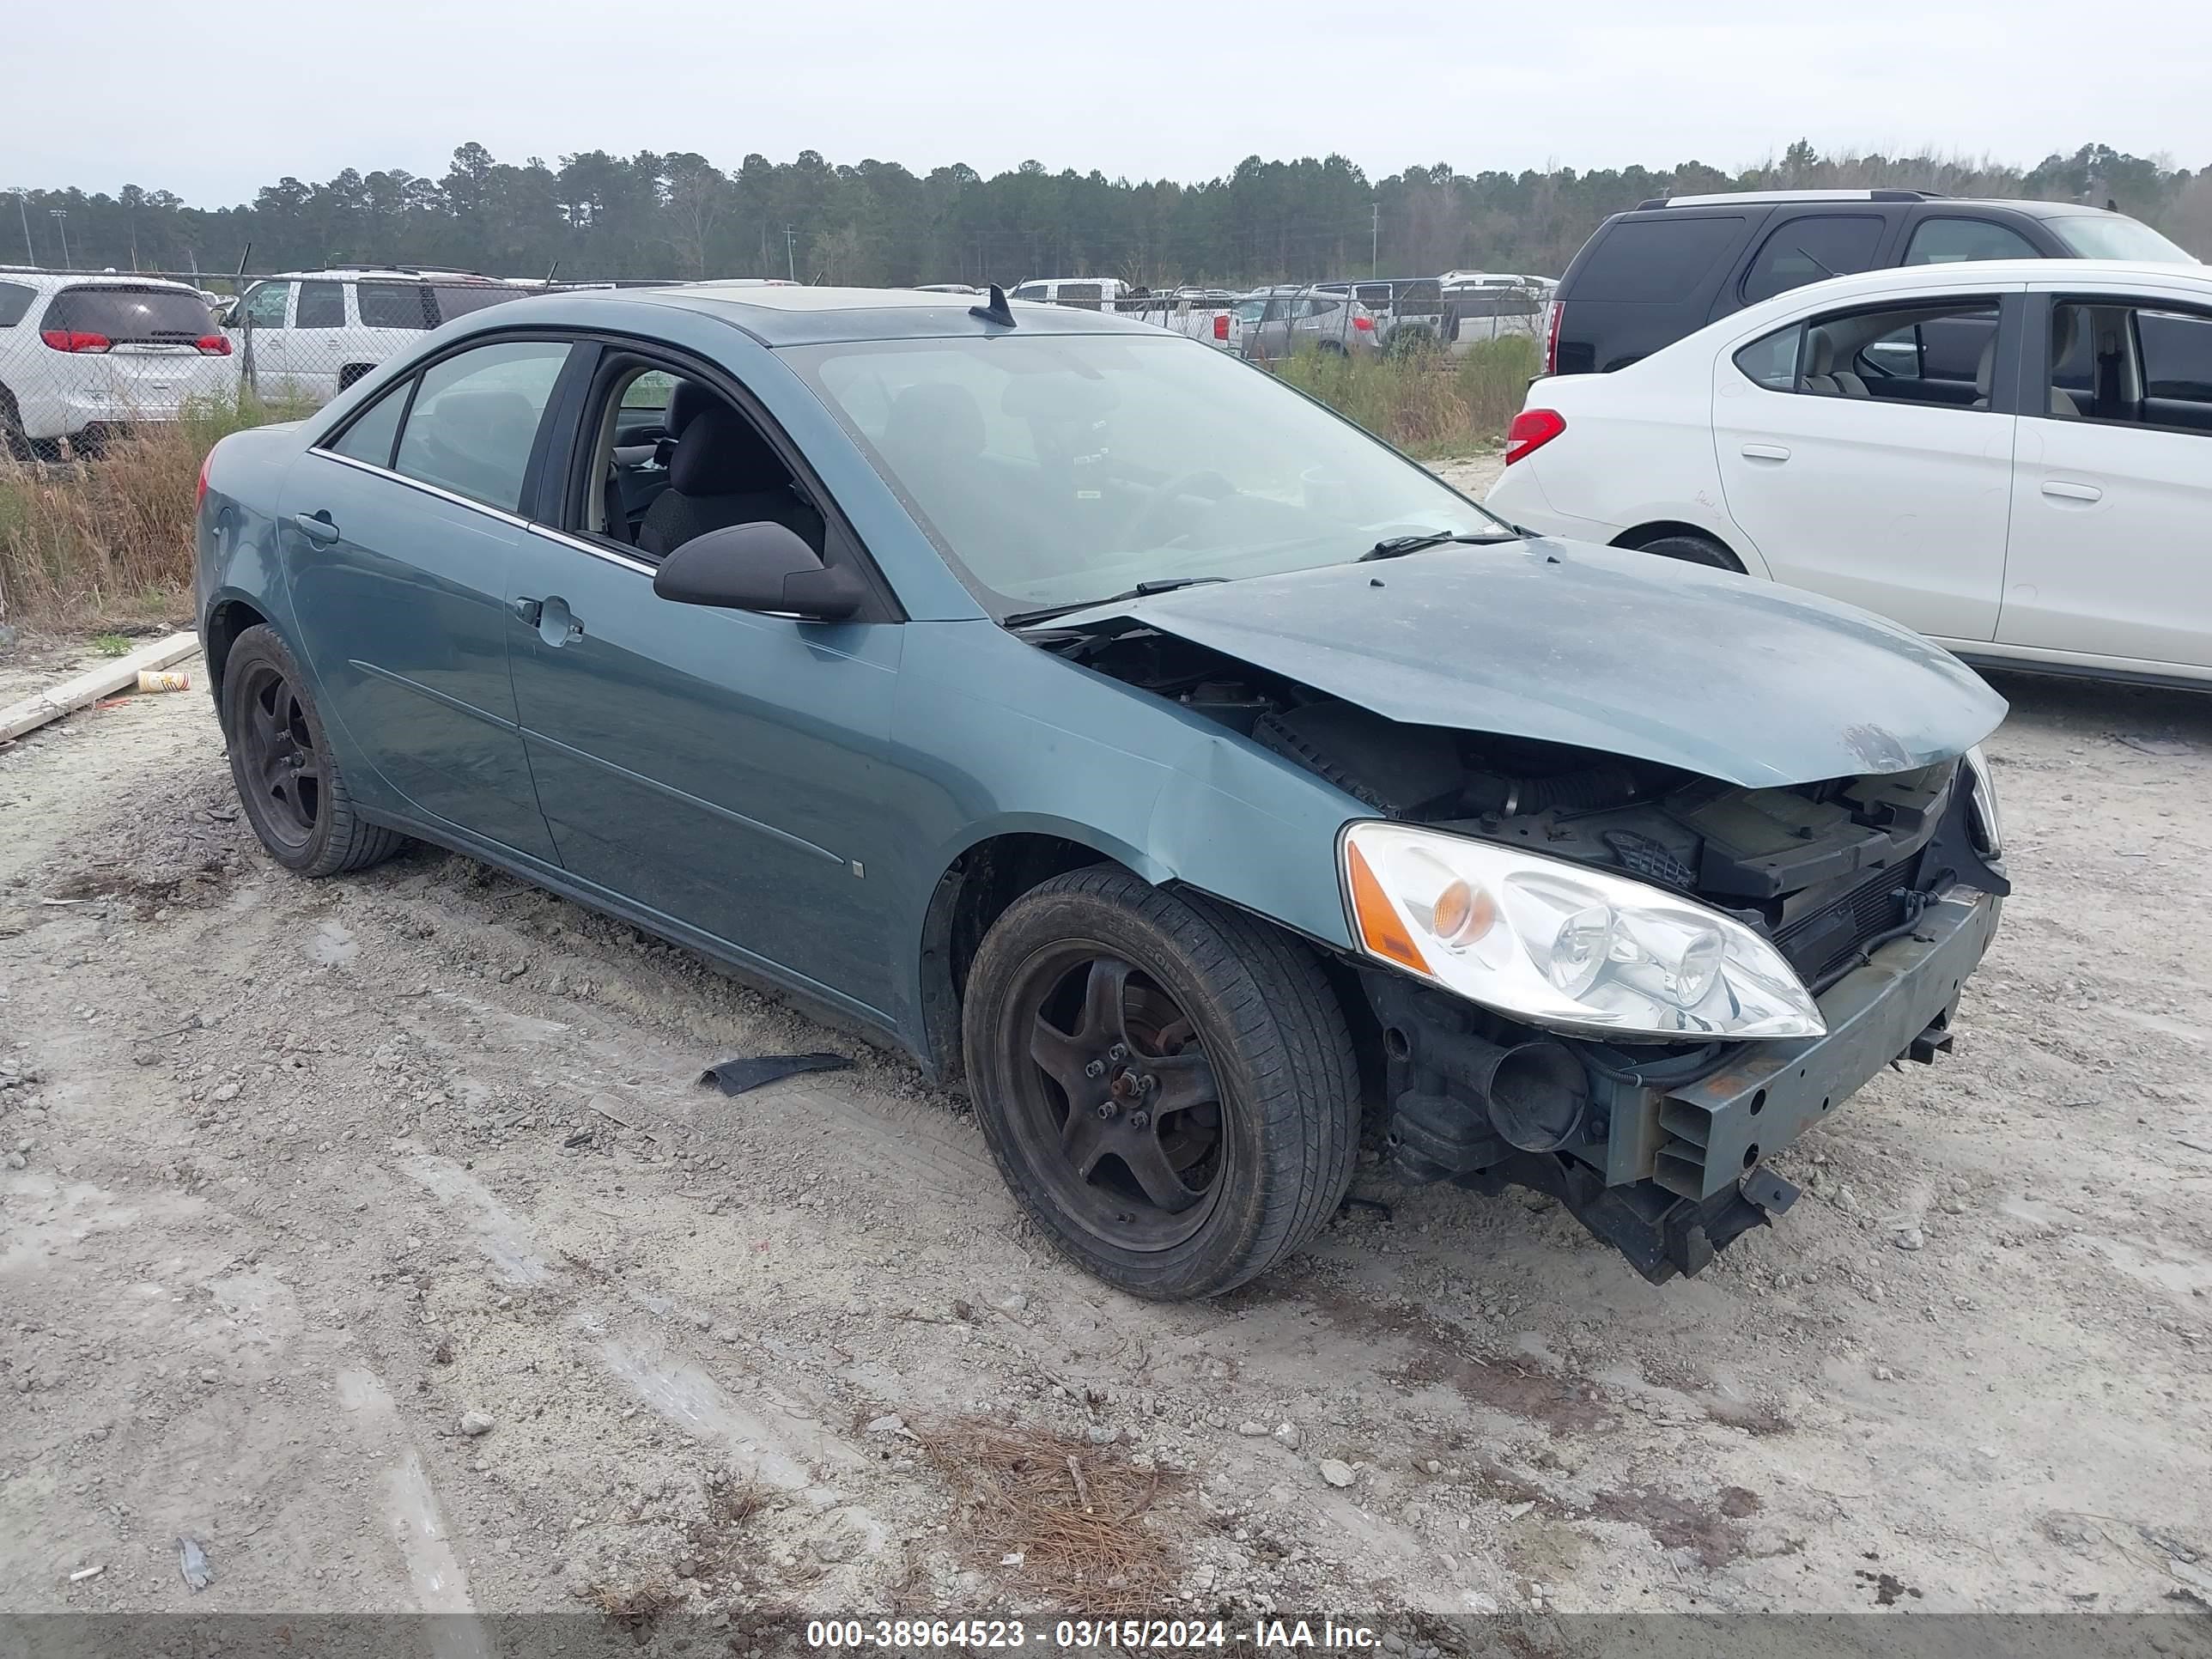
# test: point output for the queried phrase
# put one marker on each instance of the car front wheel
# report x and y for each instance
(288, 780)
(1168, 1085)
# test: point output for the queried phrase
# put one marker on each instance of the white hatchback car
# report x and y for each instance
(83, 357)
(2014, 459)
(313, 333)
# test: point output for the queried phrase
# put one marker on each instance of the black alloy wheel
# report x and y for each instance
(278, 756)
(289, 780)
(1167, 1083)
(1120, 1111)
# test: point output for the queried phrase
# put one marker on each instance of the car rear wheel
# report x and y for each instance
(1168, 1085)
(287, 779)
(13, 442)
(1694, 549)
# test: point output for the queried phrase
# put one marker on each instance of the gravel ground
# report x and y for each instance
(373, 1236)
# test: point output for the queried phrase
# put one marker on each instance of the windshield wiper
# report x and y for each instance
(1396, 547)
(1141, 591)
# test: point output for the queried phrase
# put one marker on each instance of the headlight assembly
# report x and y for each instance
(1982, 806)
(1564, 945)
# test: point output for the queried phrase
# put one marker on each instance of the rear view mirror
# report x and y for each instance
(763, 566)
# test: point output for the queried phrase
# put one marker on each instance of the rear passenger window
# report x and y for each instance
(1082, 295)
(322, 305)
(1808, 248)
(1925, 354)
(1657, 259)
(476, 417)
(393, 304)
(370, 437)
(1947, 241)
(15, 301)
(1773, 361)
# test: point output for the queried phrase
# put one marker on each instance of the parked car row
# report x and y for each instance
(1382, 315)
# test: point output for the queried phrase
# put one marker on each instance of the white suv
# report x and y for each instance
(312, 333)
(82, 357)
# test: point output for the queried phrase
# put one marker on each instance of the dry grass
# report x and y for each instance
(1074, 1514)
(1493, 380)
(108, 537)
(1425, 403)
(637, 1601)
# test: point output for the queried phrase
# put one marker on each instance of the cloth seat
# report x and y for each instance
(723, 473)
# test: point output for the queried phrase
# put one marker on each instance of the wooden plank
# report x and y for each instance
(91, 685)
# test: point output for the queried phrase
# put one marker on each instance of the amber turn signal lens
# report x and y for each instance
(1463, 914)
(1380, 930)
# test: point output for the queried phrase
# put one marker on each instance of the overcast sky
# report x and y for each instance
(213, 101)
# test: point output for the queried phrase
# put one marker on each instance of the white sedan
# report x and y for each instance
(2014, 459)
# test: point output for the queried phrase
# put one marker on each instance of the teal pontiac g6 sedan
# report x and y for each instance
(1201, 784)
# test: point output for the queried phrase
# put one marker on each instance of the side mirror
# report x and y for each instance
(758, 567)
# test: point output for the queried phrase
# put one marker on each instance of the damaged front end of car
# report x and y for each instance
(1623, 974)
(1880, 894)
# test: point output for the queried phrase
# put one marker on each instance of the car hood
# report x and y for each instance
(1718, 674)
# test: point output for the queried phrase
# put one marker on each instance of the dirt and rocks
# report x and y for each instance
(373, 1237)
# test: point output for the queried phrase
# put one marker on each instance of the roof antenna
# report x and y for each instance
(998, 311)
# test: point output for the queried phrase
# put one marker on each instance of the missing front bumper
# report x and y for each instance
(1670, 1172)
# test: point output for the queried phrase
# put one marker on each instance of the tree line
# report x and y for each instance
(597, 215)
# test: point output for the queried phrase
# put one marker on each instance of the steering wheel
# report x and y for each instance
(1182, 485)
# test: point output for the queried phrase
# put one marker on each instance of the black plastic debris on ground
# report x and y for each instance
(736, 1076)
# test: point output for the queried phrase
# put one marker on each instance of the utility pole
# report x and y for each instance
(790, 256)
(23, 211)
(60, 216)
(1374, 241)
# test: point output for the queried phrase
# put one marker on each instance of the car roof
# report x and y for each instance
(394, 274)
(1723, 200)
(59, 279)
(807, 315)
(1968, 272)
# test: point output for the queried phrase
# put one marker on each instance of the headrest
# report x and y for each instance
(1985, 367)
(935, 417)
(2065, 332)
(685, 400)
(721, 453)
(1819, 352)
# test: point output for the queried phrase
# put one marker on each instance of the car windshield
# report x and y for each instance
(2116, 236)
(1060, 469)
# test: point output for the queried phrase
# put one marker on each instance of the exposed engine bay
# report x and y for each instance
(1829, 872)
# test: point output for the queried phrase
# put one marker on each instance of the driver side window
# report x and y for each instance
(475, 419)
(264, 305)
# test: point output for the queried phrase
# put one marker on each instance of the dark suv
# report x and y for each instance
(1667, 267)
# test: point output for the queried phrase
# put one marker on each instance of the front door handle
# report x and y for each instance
(318, 525)
(556, 623)
(1766, 453)
(2062, 490)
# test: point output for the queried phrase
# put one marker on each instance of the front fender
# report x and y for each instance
(995, 737)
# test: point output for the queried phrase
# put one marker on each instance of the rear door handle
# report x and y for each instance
(318, 525)
(2060, 489)
(531, 610)
(1765, 452)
